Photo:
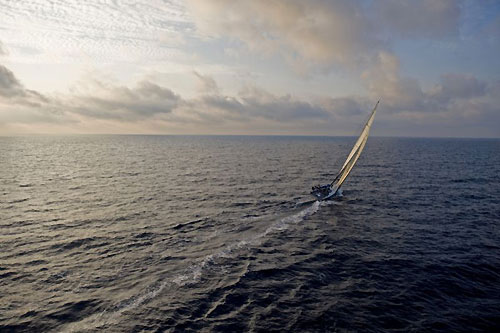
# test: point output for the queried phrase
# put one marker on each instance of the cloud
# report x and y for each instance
(461, 86)
(319, 32)
(76, 31)
(145, 100)
(460, 103)
(316, 36)
(12, 89)
(21, 105)
(258, 102)
(3, 49)
(207, 83)
(404, 94)
(251, 105)
(384, 82)
(171, 38)
(148, 101)
(9, 84)
(416, 19)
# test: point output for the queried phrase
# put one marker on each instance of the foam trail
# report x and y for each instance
(283, 223)
(196, 270)
(193, 274)
(111, 316)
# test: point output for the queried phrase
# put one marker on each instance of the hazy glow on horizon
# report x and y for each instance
(250, 67)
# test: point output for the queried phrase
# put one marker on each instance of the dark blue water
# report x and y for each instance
(185, 234)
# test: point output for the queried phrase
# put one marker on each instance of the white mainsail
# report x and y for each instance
(324, 192)
(354, 154)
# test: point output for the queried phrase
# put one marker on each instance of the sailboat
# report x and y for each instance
(324, 192)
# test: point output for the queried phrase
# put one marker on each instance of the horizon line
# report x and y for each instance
(244, 135)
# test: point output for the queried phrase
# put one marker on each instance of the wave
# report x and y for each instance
(191, 275)
(195, 271)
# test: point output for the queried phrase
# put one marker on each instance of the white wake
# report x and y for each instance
(192, 274)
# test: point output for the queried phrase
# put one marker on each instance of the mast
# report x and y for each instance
(355, 152)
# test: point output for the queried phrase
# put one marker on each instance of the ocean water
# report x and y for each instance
(219, 234)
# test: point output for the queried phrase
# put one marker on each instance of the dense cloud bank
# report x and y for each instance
(458, 100)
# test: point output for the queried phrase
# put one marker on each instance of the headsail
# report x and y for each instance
(355, 152)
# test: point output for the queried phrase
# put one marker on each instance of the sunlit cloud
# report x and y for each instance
(3, 49)
(207, 83)
(248, 67)
(457, 98)
(317, 32)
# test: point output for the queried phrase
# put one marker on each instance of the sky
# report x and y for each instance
(250, 67)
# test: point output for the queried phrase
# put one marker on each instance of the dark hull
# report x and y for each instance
(324, 193)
